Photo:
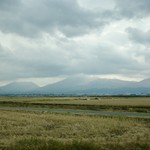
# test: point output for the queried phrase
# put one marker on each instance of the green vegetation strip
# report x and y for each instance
(113, 101)
(144, 109)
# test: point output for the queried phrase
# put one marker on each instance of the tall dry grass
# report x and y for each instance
(22, 126)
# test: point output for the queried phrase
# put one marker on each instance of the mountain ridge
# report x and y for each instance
(80, 85)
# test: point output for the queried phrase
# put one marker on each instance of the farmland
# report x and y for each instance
(134, 104)
(23, 129)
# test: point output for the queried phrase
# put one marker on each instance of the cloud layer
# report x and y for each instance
(53, 38)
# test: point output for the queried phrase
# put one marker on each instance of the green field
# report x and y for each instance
(131, 104)
(43, 130)
(115, 101)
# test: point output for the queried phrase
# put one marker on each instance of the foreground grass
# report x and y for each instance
(20, 130)
(40, 144)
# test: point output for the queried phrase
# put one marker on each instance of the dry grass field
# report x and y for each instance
(43, 130)
(19, 128)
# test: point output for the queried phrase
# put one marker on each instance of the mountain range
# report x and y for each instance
(79, 85)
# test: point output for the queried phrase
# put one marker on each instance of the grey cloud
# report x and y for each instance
(106, 60)
(133, 8)
(66, 60)
(32, 17)
(145, 54)
(10, 15)
(9, 4)
(54, 55)
(139, 36)
(141, 41)
(4, 52)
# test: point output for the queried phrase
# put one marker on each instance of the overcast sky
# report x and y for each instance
(48, 40)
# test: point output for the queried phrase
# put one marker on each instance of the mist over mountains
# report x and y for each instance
(79, 85)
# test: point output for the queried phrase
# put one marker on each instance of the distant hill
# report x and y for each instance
(68, 85)
(80, 85)
(18, 88)
(143, 83)
(85, 85)
(109, 83)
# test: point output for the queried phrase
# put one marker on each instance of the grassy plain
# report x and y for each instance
(43, 130)
(113, 101)
(132, 104)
